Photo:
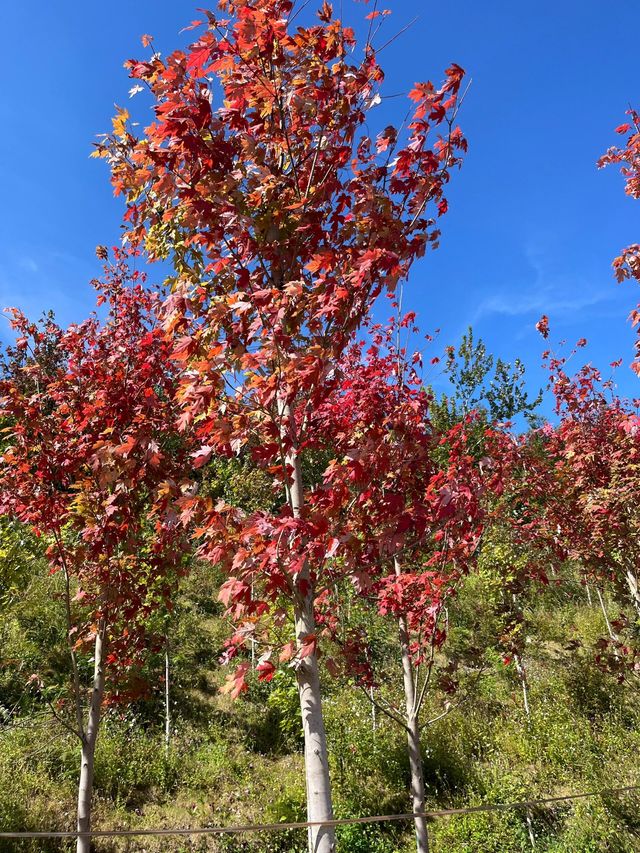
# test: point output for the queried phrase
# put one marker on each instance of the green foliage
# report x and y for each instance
(366, 838)
(20, 551)
(31, 625)
(240, 482)
(482, 382)
(35, 788)
(282, 700)
(241, 763)
(285, 841)
(127, 776)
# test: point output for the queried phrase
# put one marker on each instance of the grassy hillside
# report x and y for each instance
(240, 762)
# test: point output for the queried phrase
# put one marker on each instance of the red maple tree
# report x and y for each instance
(92, 462)
(573, 491)
(284, 220)
(405, 503)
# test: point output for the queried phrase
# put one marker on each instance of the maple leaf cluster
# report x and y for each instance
(92, 460)
(283, 218)
(407, 525)
(384, 498)
(627, 264)
(573, 494)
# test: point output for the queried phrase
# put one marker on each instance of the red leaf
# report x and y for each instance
(202, 456)
(197, 60)
(332, 666)
(126, 447)
(325, 12)
(287, 652)
(192, 26)
(332, 547)
(543, 326)
(308, 646)
(266, 670)
(236, 683)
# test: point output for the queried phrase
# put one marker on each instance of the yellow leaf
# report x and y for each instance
(119, 122)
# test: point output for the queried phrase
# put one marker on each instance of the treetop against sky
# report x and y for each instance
(532, 226)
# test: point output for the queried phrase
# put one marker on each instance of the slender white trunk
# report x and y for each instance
(522, 672)
(610, 630)
(85, 787)
(374, 719)
(316, 756)
(523, 682)
(316, 760)
(418, 798)
(632, 583)
(589, 595)
(417, 786)
(531, 833)
(167, 697)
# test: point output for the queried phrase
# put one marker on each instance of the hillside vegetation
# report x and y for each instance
(240, 762)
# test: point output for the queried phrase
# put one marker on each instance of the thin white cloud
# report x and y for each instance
(547, 301)
(28, 264)
(36, 279)
(560, 295)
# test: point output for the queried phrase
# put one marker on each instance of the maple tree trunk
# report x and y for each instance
(632, 583)
(522, 674)
(418, 799)
(89, 738)
(589, 596)
(316, 755)
(603, 608)
(316, 759)
(374, 718)
(167, 697)
(417, 786)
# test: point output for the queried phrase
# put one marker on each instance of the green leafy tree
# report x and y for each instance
(496, 388)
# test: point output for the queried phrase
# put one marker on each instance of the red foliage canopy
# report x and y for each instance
(405, 500)
(574, 492)
(284, 220)
(627, 264)
(92, 460)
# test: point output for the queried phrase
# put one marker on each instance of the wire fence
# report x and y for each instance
(281, 827)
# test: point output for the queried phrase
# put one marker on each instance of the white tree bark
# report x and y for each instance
(89, 738)
(418, 799)
(374, 719)
(522, 672)
(167, 697)
(589, 595)
(603, 608)
(316, 756)
(632, 583)
(316, 761)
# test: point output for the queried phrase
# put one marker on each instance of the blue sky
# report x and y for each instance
(533, 225)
